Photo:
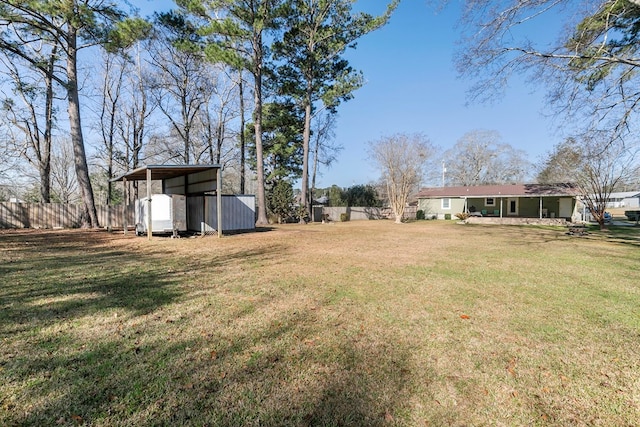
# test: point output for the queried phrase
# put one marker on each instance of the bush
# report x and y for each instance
(447, 216)
(344, 217)
(420, 214)
(280, 200)
(462, 216)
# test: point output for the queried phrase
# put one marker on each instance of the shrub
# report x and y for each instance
(273, 218)
(447, 216)
(462, 216)
(280, 200)
(420, 214)
(344, 217)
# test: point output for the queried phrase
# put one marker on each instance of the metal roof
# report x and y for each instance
(505, 190)
(160, 172)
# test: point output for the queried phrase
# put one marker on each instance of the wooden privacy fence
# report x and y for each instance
(58, 215)
(360, 213)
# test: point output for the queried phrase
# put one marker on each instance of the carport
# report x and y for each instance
(187, 180)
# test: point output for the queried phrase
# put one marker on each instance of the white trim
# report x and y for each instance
(493, 201)
(448, 207)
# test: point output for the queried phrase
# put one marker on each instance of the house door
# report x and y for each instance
(512, 206)
(566, 205)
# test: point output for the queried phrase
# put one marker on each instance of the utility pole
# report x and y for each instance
(444, 170)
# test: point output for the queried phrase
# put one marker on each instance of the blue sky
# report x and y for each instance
(412, 86)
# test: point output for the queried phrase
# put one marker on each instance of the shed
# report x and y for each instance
(188, 180)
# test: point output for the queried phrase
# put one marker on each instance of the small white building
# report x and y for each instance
(202, 206)
(627, 199)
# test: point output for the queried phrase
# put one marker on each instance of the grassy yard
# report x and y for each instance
(363, 324)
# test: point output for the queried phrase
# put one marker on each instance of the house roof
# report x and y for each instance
(504, 190)
(624, 195)
(160, 172)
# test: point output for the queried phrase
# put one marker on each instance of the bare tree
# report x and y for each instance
(215, 142)
(64, 183)
(479, 158)
(181, 86)
(241, 133)
(136, 109)
(590, 68)
(33, 121)
(112, 82)
(402, 160)
(11, 160)
(67, 27)
(595, 171)
(324, 151)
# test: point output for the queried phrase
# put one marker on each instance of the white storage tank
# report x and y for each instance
(168, 214)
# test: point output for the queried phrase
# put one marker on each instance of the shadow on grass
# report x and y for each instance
(277, 370)
(628, 235)
(53, 277)
(66, 360)
(533, 234)
(175, 383)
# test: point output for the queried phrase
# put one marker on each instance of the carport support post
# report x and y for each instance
(540, 207)
(219, 199)
(126, 205)
(149, 221)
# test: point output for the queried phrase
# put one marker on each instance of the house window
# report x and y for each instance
(490, 201)
(446, 203)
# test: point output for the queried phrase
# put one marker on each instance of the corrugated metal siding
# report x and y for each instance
(198, 182)
(195, 213)
(201, 182)
(174, 185)
(238, 213)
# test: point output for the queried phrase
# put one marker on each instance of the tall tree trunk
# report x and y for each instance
(262, 200)
(209, 138)
(80, 157)
(314, 171)
(45, 160)
(242, 141)
(139, 125)
(219, 136)
(306, 136)
(186, 131)
(110, 105)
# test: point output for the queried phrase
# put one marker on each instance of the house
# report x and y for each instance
(628, 199)
(517, 203)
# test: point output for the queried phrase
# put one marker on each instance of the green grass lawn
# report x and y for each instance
(430, 323)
